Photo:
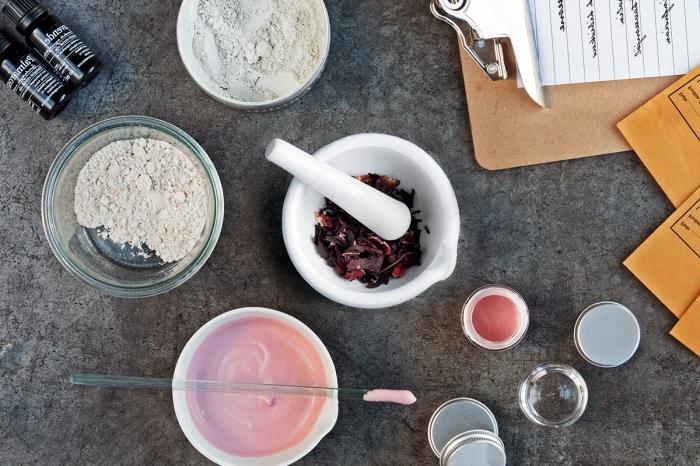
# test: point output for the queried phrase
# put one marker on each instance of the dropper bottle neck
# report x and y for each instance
(24, 13)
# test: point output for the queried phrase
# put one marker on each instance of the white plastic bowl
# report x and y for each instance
(324, 423)
(435, 198)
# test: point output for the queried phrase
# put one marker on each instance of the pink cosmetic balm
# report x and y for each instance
(256, 350)
(495, 318)
(401, 397)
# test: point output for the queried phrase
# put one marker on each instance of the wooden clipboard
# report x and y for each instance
(509, 130)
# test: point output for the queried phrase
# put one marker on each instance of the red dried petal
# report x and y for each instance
(356, 252)
(354, 274)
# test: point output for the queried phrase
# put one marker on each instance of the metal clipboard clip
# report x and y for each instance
(488, 22)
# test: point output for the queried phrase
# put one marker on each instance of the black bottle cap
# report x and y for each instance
(18, 9)
(23, 13)
(4, 43)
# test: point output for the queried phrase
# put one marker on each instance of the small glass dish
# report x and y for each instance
(553, 395)
(95, 261)
(519, 327)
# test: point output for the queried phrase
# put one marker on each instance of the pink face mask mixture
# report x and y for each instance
(256, 350)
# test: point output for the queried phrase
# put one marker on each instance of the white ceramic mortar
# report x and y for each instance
(435, 198)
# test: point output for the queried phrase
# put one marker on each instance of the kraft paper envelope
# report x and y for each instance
(687, 330)
(665, 133)
(668, 262)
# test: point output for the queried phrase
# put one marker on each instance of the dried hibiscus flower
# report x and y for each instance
(358, 253)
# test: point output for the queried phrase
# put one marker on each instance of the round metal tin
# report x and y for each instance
(474, 448)
(607, 334)
(455, 417)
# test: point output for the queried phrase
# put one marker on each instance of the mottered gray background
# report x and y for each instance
(558, 233)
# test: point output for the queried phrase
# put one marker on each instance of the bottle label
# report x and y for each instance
(64, 51)
(33, 82)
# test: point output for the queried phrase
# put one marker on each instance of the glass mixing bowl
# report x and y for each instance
(99, 262)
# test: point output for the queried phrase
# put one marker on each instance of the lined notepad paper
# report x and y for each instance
(601, 40)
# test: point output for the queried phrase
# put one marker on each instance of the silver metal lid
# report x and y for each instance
(607, 334)
(456, 416)
(474, 448)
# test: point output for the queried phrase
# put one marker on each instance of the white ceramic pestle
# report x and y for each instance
(386, 216)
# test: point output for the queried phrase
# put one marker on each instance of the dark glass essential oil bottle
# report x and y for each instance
(26, 74)
(67, 54)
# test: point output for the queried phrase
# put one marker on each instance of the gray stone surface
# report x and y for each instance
(558, 233)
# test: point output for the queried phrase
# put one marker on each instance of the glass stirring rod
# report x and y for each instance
(403, 397)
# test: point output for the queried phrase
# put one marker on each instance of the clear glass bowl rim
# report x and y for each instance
(570, 372)
(48, 215)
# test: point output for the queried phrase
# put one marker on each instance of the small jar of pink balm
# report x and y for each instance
(495, 318)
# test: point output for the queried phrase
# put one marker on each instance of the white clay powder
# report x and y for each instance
(143, 191)
(258, 50)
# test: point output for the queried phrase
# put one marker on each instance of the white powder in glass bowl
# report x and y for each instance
(259, 50)
(143, 192)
